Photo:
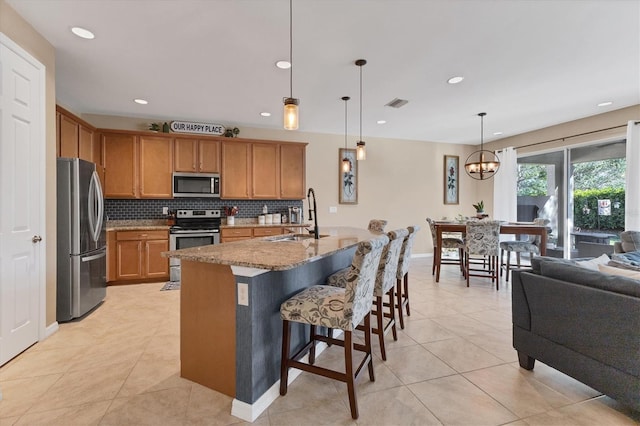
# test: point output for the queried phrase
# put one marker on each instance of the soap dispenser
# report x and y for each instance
(265, 210)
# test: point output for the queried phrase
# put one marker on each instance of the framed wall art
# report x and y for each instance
(451, 179)
(348, 182)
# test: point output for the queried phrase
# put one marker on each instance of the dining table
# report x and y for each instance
(512, 228)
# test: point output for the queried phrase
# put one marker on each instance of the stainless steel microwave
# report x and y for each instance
(196, 185)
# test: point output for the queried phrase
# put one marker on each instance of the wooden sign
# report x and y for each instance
(200, 128)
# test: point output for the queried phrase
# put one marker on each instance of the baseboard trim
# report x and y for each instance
(50, 329)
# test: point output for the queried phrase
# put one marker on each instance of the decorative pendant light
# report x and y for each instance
(291, 103)
(346, 163)
(361, 153)
(482, 164)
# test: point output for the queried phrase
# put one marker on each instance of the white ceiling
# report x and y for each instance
(528, 64)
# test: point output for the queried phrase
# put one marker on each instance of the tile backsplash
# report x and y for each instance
(152, 209)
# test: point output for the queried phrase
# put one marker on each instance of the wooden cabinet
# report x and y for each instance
(265, 162)
(292, 169)
(265, 232)
(137, 166)
(68, 136)
(235, 172)
(193, 155)
(263, 170)
(156, 167)
(137, 255)
(120, 165)
(234, 234)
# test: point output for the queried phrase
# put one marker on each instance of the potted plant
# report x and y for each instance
(479, 209)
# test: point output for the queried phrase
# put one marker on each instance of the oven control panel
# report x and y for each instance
(205, 213)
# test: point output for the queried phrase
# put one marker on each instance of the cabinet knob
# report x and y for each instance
(36, 239)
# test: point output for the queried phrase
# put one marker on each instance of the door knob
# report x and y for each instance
(36, 239)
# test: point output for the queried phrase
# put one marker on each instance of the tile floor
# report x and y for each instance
(452, 365)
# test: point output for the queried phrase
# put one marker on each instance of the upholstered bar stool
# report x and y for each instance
(447, 243)
(335, 307)
(377, 225)
(531, 245)
(402, 276)
(385, 285)
(482, 239)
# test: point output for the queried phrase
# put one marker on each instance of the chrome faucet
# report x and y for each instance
(313, 214)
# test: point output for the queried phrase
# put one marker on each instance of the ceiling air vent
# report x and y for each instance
(397, 103)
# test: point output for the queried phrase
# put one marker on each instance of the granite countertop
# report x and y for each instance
(137, 225)
(262, 253)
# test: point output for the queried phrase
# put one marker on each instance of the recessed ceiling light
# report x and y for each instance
(283, 65)
(265, 114)
(141, 101)
(455, 80)
(607, 103)
(83, 33)
(497, 133)
(381, 121)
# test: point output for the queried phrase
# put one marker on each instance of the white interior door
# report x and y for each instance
(21, 194)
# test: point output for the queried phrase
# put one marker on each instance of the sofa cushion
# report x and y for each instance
(630, 240)
(536, 261)
(594, 263)
(619, 271)
(586, 277)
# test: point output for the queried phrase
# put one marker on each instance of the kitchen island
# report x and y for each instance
(230, 326)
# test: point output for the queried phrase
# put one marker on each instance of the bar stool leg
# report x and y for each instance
(399, 302)
(312, 349)
(392, 313)
(348, 359)
(405, 296)
(284, 364)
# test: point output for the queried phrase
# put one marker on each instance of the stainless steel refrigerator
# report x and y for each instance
(82, 250)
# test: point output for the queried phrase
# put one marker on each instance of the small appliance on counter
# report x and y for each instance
(295, 216)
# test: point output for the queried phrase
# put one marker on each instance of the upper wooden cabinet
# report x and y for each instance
(68, 131)
(292, 171)
(263, 170)
(235, 173)
(137, 166)
(193, 155)
(156, 167)
(120, 165)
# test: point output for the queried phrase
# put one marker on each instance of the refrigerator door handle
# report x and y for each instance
(93, 257)
(95, 203)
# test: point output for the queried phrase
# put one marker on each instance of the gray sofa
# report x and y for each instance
(581, 322)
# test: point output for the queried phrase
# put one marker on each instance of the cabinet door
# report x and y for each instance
(112, 250)
(129, 260)
(156, 265)
(292, 171)
(121, 165)
(185, 155)
(236, 170)
(156, 167)
(68, 137)
(209, 156)
(85, 144)
(265, 166)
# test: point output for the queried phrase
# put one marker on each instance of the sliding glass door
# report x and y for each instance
(581, 191)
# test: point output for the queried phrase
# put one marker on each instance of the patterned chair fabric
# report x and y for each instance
(377, 225)
(447, 242)
(530, 245)
(483, 237)
(405, 253)
(337, 307)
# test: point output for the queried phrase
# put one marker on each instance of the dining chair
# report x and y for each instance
(447, 243)
(377, 225)
(531, 245)
(482, 239)
(385, 286)
(402, 276)
(335, 307)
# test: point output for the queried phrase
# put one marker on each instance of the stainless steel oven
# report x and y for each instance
(193, 228)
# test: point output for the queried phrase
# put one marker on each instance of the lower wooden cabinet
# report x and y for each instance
(137, 256)
(237, 234)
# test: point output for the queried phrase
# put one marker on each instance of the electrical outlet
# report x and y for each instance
(165, 211)
(333, 209)
(243, 294)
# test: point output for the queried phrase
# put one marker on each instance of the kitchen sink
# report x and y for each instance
(292, 237)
